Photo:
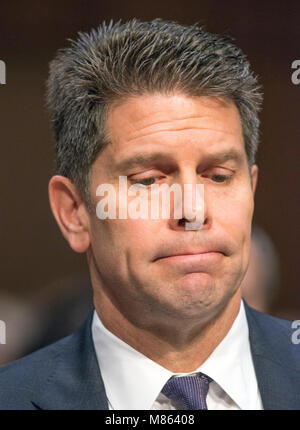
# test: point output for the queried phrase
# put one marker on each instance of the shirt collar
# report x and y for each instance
(133, 381)
(231, 366)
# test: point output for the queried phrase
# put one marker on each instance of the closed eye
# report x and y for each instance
(215, 177)
(221, 178)
(145, 181)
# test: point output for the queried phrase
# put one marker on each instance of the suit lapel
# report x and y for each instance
(275, 385)
(70, 377)
(274, 361)
(73, 380)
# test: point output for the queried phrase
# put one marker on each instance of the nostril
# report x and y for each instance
(182, 221)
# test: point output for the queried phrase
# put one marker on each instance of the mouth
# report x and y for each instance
(202, 254)
(192, 262)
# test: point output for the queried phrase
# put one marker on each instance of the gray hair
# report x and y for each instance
(119, 60)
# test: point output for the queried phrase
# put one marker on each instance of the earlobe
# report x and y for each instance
(70, 213)
(254, 177)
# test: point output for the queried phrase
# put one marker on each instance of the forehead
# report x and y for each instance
(169, 122)
(156, 112)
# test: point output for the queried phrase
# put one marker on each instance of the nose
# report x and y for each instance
(193, 202)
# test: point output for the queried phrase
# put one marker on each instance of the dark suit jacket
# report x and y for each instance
(65, 375)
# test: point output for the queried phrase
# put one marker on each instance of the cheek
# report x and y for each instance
(123, 239)
(241, 215)
(241, 230)
(138, 237)
(234, 214)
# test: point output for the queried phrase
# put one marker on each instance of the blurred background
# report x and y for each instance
(44, 290)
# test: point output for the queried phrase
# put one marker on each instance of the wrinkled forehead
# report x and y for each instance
(151, 112)
(152, 117)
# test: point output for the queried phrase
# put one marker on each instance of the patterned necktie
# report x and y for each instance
(188, 391)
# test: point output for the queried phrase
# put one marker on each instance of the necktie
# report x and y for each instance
(188, 391)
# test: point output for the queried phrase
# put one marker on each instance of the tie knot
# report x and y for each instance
(188, 391)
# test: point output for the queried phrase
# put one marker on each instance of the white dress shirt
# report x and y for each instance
(133, 381)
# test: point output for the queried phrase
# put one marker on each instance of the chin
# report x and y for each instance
(197, 292)
(196, 283)
(193, 293)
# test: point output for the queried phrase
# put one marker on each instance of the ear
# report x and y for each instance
(70, 212)
(254, 177)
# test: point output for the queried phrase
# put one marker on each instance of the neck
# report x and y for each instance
(179, 347)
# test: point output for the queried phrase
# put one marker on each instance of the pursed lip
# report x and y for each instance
(200, 254)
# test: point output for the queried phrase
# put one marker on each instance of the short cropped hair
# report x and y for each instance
(119, 60)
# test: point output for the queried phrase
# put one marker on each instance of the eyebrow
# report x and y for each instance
(142, 160)
(230, 155)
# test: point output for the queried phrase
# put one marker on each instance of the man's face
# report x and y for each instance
(156, 269)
